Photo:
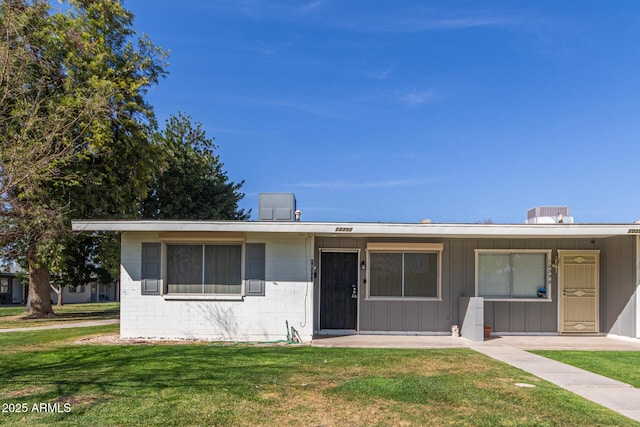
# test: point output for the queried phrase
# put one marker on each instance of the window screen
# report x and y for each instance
(204, 269)
(403, 274)
(512, 274)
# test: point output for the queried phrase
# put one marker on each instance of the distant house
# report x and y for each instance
(91, 292)
(11, 289)
(255, 280)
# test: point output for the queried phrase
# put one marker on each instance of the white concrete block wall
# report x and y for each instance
(288, 298)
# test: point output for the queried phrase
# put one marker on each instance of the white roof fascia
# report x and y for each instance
(367, 229)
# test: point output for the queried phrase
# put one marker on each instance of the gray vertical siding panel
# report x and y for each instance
(381, 316)
(610, 275)
(395, 316)
(469, 266)
(458, 279)
(618, 283)
(534, 318)
(411, 311)
(489, 313)
(550, 317)
(519, 319)
(502, 316)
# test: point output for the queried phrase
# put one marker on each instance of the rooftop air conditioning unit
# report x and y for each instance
(276, 207)
(549, 215)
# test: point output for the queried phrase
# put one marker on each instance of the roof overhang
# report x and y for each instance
(366, 229)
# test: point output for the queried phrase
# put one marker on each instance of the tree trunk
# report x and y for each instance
(58, 291)
(39, 299)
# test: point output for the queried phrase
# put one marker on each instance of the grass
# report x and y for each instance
(210, 384)
(620, 365)
(13, 317)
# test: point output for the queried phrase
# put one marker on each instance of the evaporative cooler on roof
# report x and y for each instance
(276, 206)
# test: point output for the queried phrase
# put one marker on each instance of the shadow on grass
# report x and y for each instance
(102, 369)
(76, 315)
(16, 316)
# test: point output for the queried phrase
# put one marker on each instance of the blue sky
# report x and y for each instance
(395, 111)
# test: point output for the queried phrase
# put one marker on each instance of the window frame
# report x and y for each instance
(403, 248)
(548, 274)
(200, 295)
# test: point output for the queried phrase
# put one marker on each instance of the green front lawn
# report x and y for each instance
(215, 384)
(13, 317)
(620, 365)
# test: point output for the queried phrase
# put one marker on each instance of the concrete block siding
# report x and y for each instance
(288, 298)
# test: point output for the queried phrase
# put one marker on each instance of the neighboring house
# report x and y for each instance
(91, 292)
(11, 289)
(236, 280)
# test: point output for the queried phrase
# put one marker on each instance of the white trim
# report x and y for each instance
(203, 297)
(549, 281)
(404, 247)
(366, 229)
(338, 332)
(410, 333)
(347, 332)
(531, 334)
(202, 236)
(542, 300)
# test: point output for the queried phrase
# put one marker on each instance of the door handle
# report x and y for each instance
(354, 291)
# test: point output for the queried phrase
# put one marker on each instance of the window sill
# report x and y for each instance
(518, 299)
(202, 297)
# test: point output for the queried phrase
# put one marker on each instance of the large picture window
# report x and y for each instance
(404, 271)
(513, 274)
(204, 269)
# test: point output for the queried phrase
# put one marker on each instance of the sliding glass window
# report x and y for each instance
(513, 274)
(396, 273)
(204, 269)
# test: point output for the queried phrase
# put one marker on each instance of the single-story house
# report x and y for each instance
(91, 292)
(12, 291)
(255, 280)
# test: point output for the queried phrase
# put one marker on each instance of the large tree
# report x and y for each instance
(193, 183)
(76, 130)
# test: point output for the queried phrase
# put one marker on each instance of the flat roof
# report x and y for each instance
(365, 228)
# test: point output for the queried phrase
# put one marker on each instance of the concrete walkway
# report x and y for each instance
(612, 394)
(65, 325)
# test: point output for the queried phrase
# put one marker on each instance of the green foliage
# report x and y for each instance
(117, 158)
(192, 183)
(86, 258)
(79, 140)
(76, 130)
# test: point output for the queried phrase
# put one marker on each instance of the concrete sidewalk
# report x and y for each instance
(612, 394)
(65, 325)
